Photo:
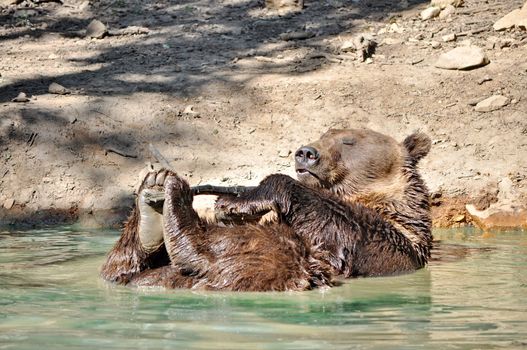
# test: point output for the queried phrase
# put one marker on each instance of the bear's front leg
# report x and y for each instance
(184, 232)
(272, 194)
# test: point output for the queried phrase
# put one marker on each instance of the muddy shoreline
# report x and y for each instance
(446, 213)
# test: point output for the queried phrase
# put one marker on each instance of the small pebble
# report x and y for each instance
(22, 97)
(492, 103)
(96, 29)
(429, 13)
(449, 37)
(58, 89)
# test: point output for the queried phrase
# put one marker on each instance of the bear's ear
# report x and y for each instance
(417, 145)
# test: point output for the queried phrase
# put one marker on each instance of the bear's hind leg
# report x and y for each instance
(140, 245)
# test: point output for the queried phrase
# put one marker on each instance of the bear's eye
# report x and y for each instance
(349, 142)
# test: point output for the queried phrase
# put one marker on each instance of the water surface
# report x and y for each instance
(51, 297)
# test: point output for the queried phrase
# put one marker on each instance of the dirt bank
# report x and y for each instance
(219, 89)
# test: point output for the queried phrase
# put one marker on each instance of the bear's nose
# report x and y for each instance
(307, 155)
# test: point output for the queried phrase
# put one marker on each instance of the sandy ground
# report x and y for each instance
(218, 90)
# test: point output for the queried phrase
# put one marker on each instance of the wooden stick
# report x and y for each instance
(155, 196)
(119, 152)
(219, 190)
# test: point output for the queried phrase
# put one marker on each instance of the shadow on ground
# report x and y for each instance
(191, 43)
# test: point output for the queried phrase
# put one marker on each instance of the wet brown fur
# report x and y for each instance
(361, 211)
(363, 202)
(205, 256)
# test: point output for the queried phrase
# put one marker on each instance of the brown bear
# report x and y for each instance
(359, 208)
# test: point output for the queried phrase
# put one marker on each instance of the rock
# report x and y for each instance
(362, 44)
(492, 103)
(449, 37)
(8, 2)
(96, 29)
(347, 46)
(22, 97)
(395, 28)
(463, 57)
(430, 12)
(503, 212)
(58, 89)
(516, 17)
(284, 153)
(435, 44)
(447, 11)
(498, 220)
(459, 218)
(392, 41)
(189, 111)
(8, 204)
(444, 3)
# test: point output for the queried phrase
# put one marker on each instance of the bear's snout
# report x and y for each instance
(307, 156)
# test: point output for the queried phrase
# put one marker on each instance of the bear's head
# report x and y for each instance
(358, 161)
(366, 167)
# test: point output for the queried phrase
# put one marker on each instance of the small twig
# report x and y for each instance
(32, 138)
(474, 31)
(159, 157)
(121, 153)
(328, 57)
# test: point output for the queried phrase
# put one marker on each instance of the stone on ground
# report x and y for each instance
(430, 12)
(96, 29)
(449, 37)
(447, 11)
(516, 17)
(463, 57)
(492, 103)
(22, 97)
(57, 89)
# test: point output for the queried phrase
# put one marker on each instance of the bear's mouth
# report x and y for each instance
(303, 173)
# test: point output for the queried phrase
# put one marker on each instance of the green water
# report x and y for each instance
(51, 298)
